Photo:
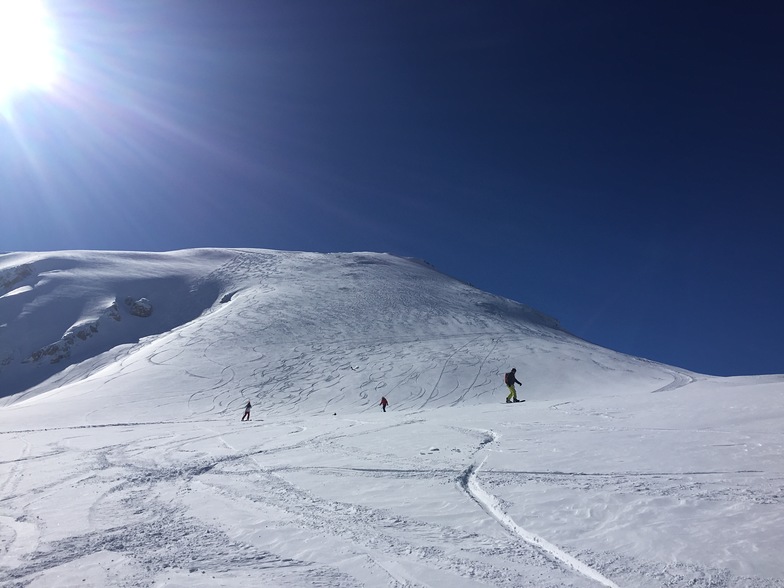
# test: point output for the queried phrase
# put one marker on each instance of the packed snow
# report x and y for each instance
(123, 460)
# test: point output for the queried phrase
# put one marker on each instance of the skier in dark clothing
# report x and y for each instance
(510, 380)
(246, 416)
(384, 403)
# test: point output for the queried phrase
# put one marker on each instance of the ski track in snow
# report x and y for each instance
(489, 503)
(679, 380)
(147, 495)
(368, 529)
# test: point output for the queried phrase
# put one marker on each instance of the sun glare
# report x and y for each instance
(27, 48)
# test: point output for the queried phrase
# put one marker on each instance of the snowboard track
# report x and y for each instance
(489, 503)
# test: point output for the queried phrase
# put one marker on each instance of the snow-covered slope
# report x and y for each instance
(123, 461)
(293, 331)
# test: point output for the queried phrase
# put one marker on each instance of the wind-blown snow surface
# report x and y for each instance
(123, 461)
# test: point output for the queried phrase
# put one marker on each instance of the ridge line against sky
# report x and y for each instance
(615, 166)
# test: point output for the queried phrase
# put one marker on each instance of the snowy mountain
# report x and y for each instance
(123, 461)
(280, 326)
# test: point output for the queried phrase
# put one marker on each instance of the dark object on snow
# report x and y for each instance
(246, 416)
(141, 307)
(384, 403)
(510, 380)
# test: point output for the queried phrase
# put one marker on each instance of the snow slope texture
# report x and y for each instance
(124, 462)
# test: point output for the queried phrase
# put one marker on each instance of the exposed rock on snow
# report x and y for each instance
(228, 297)
(141, 307)
(113, 312)
(59, 350)
(12, 276)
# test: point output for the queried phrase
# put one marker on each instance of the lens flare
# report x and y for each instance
(27, 47)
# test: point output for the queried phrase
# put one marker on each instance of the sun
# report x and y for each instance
(27, 47)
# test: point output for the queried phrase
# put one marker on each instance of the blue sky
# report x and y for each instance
(616, 165)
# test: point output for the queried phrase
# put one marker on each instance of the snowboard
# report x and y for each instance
(518, 402)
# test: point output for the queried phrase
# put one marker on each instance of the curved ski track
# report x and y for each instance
(491, 506)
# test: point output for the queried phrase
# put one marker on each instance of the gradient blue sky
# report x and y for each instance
(617, 165)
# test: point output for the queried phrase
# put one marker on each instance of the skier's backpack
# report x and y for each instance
(507, 379)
